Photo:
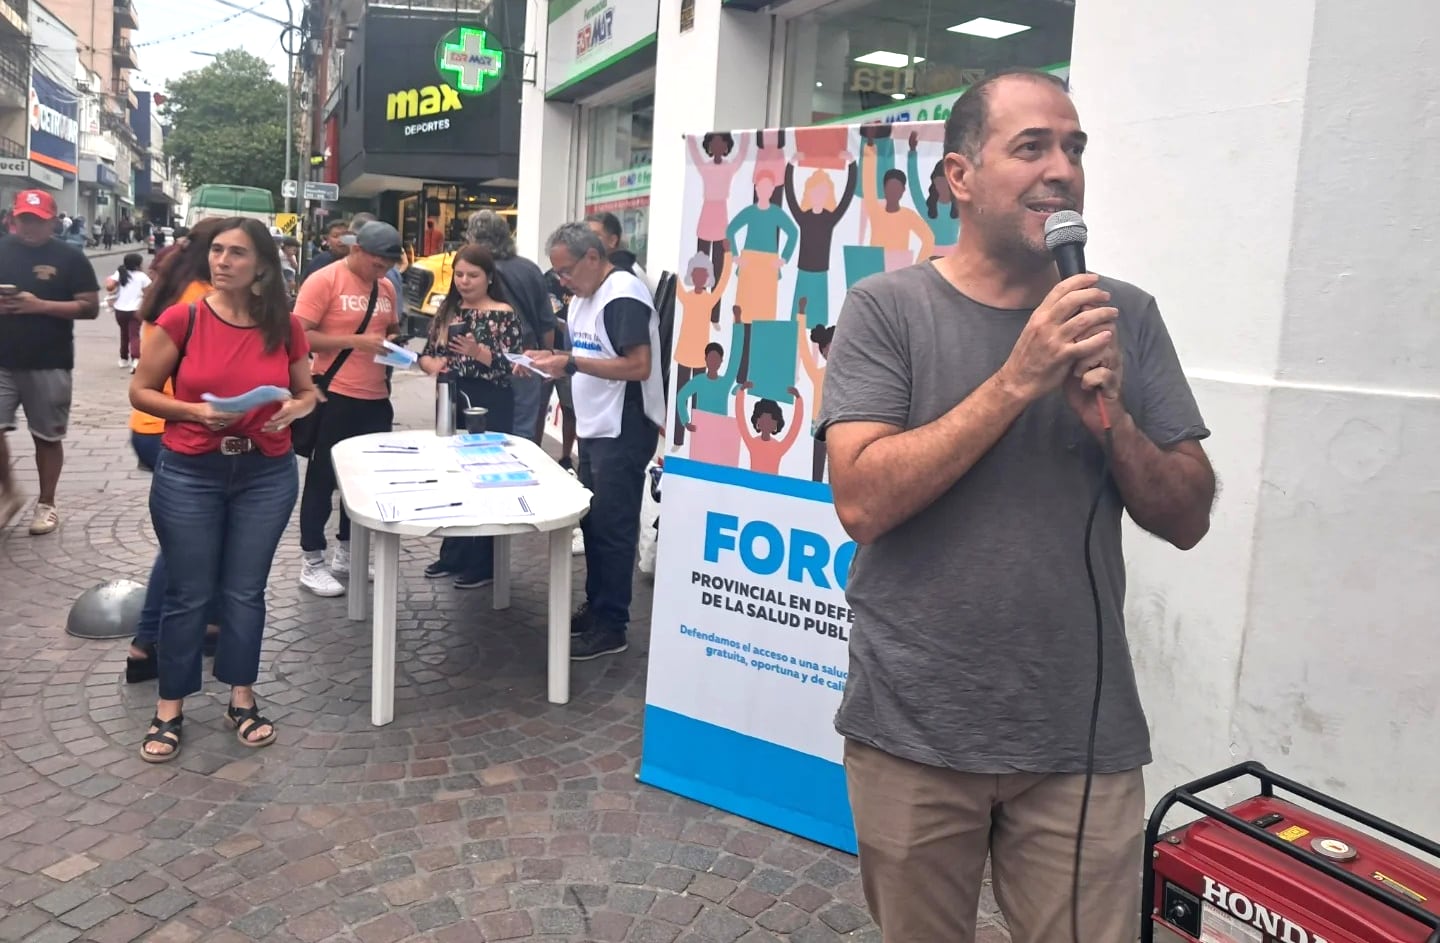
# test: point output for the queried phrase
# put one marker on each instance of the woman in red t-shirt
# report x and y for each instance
(225, 482)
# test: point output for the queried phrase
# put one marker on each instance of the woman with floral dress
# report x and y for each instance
(469, 337)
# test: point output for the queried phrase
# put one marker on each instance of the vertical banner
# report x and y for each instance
(749, 633)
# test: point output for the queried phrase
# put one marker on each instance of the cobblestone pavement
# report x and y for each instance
(482, 813)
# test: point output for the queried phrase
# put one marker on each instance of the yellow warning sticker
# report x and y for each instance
(1293, 833)
(1395, 885)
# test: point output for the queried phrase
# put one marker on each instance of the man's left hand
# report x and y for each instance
(1102, 373)
(22, 302)
(551, 362)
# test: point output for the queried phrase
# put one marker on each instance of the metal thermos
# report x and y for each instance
(444, 405)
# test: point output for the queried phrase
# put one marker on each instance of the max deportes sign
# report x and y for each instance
(466, 63)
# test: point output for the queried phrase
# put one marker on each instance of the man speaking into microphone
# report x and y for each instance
(963, 420)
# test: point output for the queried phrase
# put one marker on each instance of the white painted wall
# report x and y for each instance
(548, 133)
(698, 89)
(1268, 185)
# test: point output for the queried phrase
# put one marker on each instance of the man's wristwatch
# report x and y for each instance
(570, 367)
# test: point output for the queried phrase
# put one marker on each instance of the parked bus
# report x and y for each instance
(219, 199)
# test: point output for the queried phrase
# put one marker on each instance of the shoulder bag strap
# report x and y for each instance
(344, 355)
(184, 344)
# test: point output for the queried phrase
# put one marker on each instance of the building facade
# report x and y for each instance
(417, 111)
(617, 75)
(14, 98)
(1306, 319)
(155, 194)
(54, 127)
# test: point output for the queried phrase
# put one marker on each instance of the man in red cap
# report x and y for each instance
(45, 287)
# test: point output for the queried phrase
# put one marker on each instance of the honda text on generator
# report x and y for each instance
(1268, 871)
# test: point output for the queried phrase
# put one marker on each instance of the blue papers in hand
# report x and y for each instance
(397, 356)
(254, 399)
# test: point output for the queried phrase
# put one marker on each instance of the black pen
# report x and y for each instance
(418, 481)
(436, 507)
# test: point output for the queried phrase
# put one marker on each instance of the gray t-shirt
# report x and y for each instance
(973, 644)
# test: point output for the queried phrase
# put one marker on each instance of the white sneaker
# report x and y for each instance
(124, 362)
(340, 560)
(45, 520)
(315, 577)
(577, 543)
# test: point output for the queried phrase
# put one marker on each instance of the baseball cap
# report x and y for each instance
(380, 239)
(35, 203)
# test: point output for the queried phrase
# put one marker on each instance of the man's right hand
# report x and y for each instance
(1071, 324)
(371, 344)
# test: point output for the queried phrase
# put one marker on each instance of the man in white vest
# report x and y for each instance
(614, 370)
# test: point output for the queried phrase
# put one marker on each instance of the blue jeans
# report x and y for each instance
(530, 401)
(614, 471)
(474, 557)
(219, 519)
(147, 629)
(147, 448)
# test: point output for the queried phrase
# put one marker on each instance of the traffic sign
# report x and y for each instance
(287, 189)
(322, 191)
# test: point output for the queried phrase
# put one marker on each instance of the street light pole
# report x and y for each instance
(287, 43)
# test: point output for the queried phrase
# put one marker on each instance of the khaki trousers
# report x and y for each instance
(925, 832)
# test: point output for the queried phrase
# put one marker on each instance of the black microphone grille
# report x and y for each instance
(1064, 228)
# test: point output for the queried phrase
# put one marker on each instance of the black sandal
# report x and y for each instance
(166, 732)
(142, 669)
(247, 720)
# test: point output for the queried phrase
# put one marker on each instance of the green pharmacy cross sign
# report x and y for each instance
(467, 61)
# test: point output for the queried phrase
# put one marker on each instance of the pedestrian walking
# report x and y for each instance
(107, 233)
(128, 285)
(347, 309)
(614, 371)
(45, 287)
(225, 482)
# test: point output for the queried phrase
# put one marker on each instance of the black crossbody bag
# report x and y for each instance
(305, 431)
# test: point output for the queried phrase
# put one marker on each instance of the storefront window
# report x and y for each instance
(620, 137)
(882, 59)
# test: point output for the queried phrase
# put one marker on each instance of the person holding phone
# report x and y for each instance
(48, 286)
(469, 337)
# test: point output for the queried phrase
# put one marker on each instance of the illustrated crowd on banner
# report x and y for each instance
(787, 222)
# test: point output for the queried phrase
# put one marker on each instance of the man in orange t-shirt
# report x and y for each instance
(332, 306)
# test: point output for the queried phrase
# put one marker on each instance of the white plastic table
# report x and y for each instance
(558, 501)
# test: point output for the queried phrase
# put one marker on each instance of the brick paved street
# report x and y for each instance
(482, 813)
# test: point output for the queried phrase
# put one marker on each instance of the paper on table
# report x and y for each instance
(397, 356)
(524, 361)
(468, 439)
(444, 506)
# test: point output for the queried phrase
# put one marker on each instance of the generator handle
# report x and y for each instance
(1185, 795)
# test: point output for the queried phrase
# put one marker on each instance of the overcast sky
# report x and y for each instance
(206, 26)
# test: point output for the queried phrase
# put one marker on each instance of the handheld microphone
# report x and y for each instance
(1065, 237)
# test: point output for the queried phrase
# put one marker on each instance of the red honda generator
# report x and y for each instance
(1269, 871)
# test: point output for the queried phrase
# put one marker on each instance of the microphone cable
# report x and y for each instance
(1099, 667)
